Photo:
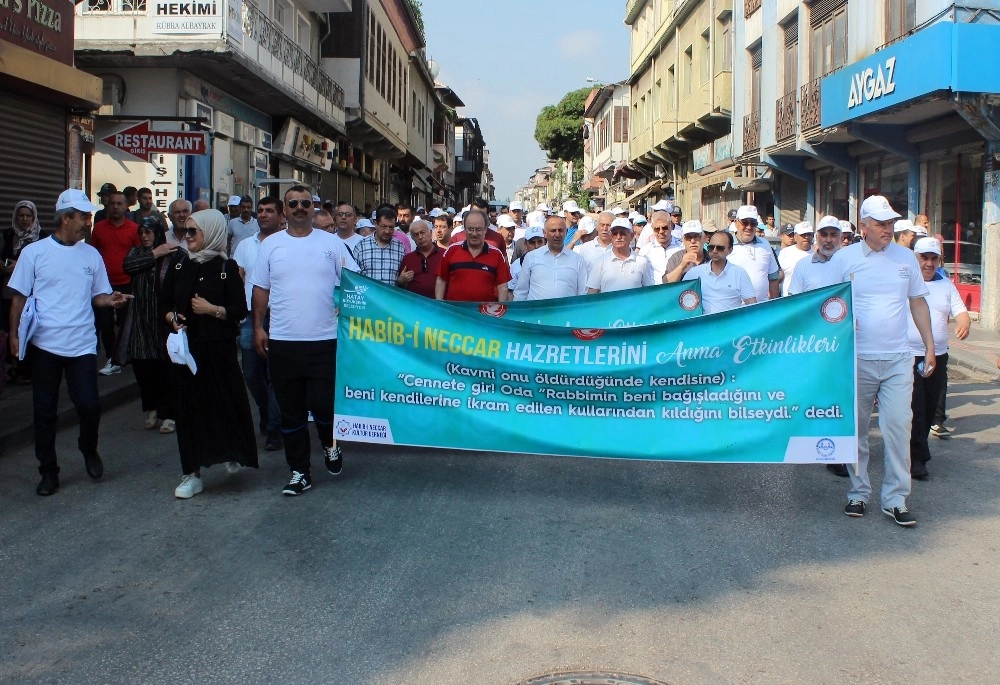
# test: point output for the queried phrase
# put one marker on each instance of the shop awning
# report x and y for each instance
(750, 185)
(643, 192)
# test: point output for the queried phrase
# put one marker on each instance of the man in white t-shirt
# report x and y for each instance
(755, 255)
(790, 256)
(346, 220)
(887, 287)
(244, 225)
(593, 250)
(66, 278)
(270, 216)
(815, 272)
(621, 268)
(724, 285)
(944, 303)
(296, 274)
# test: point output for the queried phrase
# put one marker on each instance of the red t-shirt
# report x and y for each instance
(492, 237)
(425, 271)
(473, 279)
(114, 242)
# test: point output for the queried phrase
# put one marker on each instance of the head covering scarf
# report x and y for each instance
(22, 237)
(152, 223)
(213, 225)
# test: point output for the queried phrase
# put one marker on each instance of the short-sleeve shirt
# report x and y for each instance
(425, 271)
(677, 257)
(114, 242)
(883, 283)
(473, 278)
(240, 230)
(810, 274)
(726, 291)
(788, 259)
(944, 302)
(63, 279)
(592, 250)
(245, 256)
(611, 273)
(378, 262)
(658, 257)
(757, 259)
(301, 274)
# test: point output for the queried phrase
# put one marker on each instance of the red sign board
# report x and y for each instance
(45, 27)
(140, 142)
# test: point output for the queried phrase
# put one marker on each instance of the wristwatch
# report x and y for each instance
(218, 313)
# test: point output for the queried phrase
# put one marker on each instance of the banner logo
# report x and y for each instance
(825, 448)
(587, 334)
(493, 309)
(689, 300)
(834, 310)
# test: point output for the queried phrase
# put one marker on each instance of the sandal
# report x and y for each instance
(167, 426)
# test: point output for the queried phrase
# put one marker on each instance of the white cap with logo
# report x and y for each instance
(903, 225)
(505, 221)
(747, 212)
(75, 199)
(692, 227)
(586, 225)
(516, 206)
(533, 232)
(829, 221)
(927, 245)
(572, 206)
(804, 228)
(878, 208)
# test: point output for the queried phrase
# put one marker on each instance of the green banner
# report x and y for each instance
(624, 309)
(772, 382)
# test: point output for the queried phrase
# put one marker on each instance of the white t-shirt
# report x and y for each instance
(610, 273)
(240, 231)
(811, 274)
(245, 257)
(591, 251)
(63, 279)
(788, 259)
(658, 257)
(352, 240)
(301, 275)
(945, 302)
(723, 292)
(883, 283)
(757, 259)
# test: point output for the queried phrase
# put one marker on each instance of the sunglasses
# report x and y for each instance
(306, 204)
(424, 264)
(191, 232)
(717, 248)
(658, 229)
(748, 222)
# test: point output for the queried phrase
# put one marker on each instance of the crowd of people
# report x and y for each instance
(252, 292)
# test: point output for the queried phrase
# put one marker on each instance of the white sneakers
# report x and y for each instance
(110, 369)
(190, 486)
(233, 466)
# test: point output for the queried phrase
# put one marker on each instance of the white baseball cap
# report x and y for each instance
(804, 228)
(450, 210)
(902, 225)
(845, 227)
(533, 232)
(692, 227)
(364, 223)
(436, 212)
(586, 225)
(662, 206)
(572, 206)
(75, 199)
(317, 200)
(505, 221)
(618, 211)
(536, 218)
(640, 219)
(620, 222)
(829, 221)
(747, 212)
(234, 200)
(878, 208)
(542, 207)
(927, 245)
(920, 231)
(516, 206)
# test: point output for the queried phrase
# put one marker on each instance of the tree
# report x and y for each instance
(418, 16)
(559, 128)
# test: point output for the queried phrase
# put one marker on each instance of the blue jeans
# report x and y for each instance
(890, 378)
(47, 370)
(258, 380)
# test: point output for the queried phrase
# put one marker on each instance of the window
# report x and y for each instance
(671, 89)
(791, 56)
(705, 52)
(828, 26)
(756, 57)
(657, 100)
(688, 70)
(724, 44)
(621, 124)
(900, 18)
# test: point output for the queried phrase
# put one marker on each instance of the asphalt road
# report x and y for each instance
(418, 566)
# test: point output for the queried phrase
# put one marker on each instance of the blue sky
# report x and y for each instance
(507, 60)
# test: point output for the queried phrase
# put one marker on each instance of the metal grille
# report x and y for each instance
(32, 157)
(820, 10)
(793, 200)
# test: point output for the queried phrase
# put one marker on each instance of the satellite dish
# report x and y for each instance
(434, 68)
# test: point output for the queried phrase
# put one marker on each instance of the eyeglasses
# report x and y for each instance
(341, 214)
(748, 222)
(719, 248)
(306, 204)
(191, 232)
(662, 228)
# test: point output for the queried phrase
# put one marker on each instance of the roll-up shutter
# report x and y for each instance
(793, 200)
(32, 157)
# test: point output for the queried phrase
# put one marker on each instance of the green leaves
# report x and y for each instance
(559, 128)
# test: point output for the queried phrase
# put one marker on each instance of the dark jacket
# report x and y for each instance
(219, 282)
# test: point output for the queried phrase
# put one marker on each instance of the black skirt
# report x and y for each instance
(214, 424)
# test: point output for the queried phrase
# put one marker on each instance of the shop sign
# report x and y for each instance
(700, 157)
(304, 144)
(723, 148)
(185, 17)
(140, 142)
(901, 72)
(45, 27)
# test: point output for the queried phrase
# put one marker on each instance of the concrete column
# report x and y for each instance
(989, 315)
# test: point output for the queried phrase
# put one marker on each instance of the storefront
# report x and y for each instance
(40, 94)
(925, 129)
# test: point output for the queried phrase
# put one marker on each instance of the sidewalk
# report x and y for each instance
(16, 421)
(976, 354)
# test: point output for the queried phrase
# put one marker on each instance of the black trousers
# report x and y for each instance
(302, 375)
(109, 321)
(926, 395)
(155, 379)
(47, 370)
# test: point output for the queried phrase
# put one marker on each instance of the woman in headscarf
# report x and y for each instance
(24, 230)
(203, 294)
(147, 264)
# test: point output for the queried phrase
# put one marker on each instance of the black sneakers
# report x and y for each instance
(334, 460)
(49, 485)
(299, 483)
(855, 508)
(941, 431)
(900, 515)
(918, 471)
(95, 467)
(838, 470)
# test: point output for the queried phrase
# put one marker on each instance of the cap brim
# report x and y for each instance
(84, 207)
(885, 216)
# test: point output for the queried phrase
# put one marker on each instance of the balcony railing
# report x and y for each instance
(810, 105)
(750, 6)
(785, 116)
(269, 35)
(751, 132)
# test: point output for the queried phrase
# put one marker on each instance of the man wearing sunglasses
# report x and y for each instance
(296, 275)
(755, 255)
(418, 270)
(619, 269)
(724, 285)
(663, 246)
(693, 254)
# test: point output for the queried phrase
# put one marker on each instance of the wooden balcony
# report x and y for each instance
(751, 132)
(809, 116)
(785, 116)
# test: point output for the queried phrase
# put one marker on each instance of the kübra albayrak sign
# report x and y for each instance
(903, 71)
(186, 17)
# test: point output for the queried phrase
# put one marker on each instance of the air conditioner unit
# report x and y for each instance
(263, 139)
(225, 125)
(245, 133)
(196, 109)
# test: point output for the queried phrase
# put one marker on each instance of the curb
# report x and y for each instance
(66, 417)
(975, 364)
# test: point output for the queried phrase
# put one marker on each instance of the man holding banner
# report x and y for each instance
(552, 272)
(473, 270)
(619, 269)
(886, 279)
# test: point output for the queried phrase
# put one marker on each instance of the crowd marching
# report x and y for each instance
(251, 291)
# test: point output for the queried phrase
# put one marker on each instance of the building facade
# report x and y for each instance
(842, 99)
(606, 139)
